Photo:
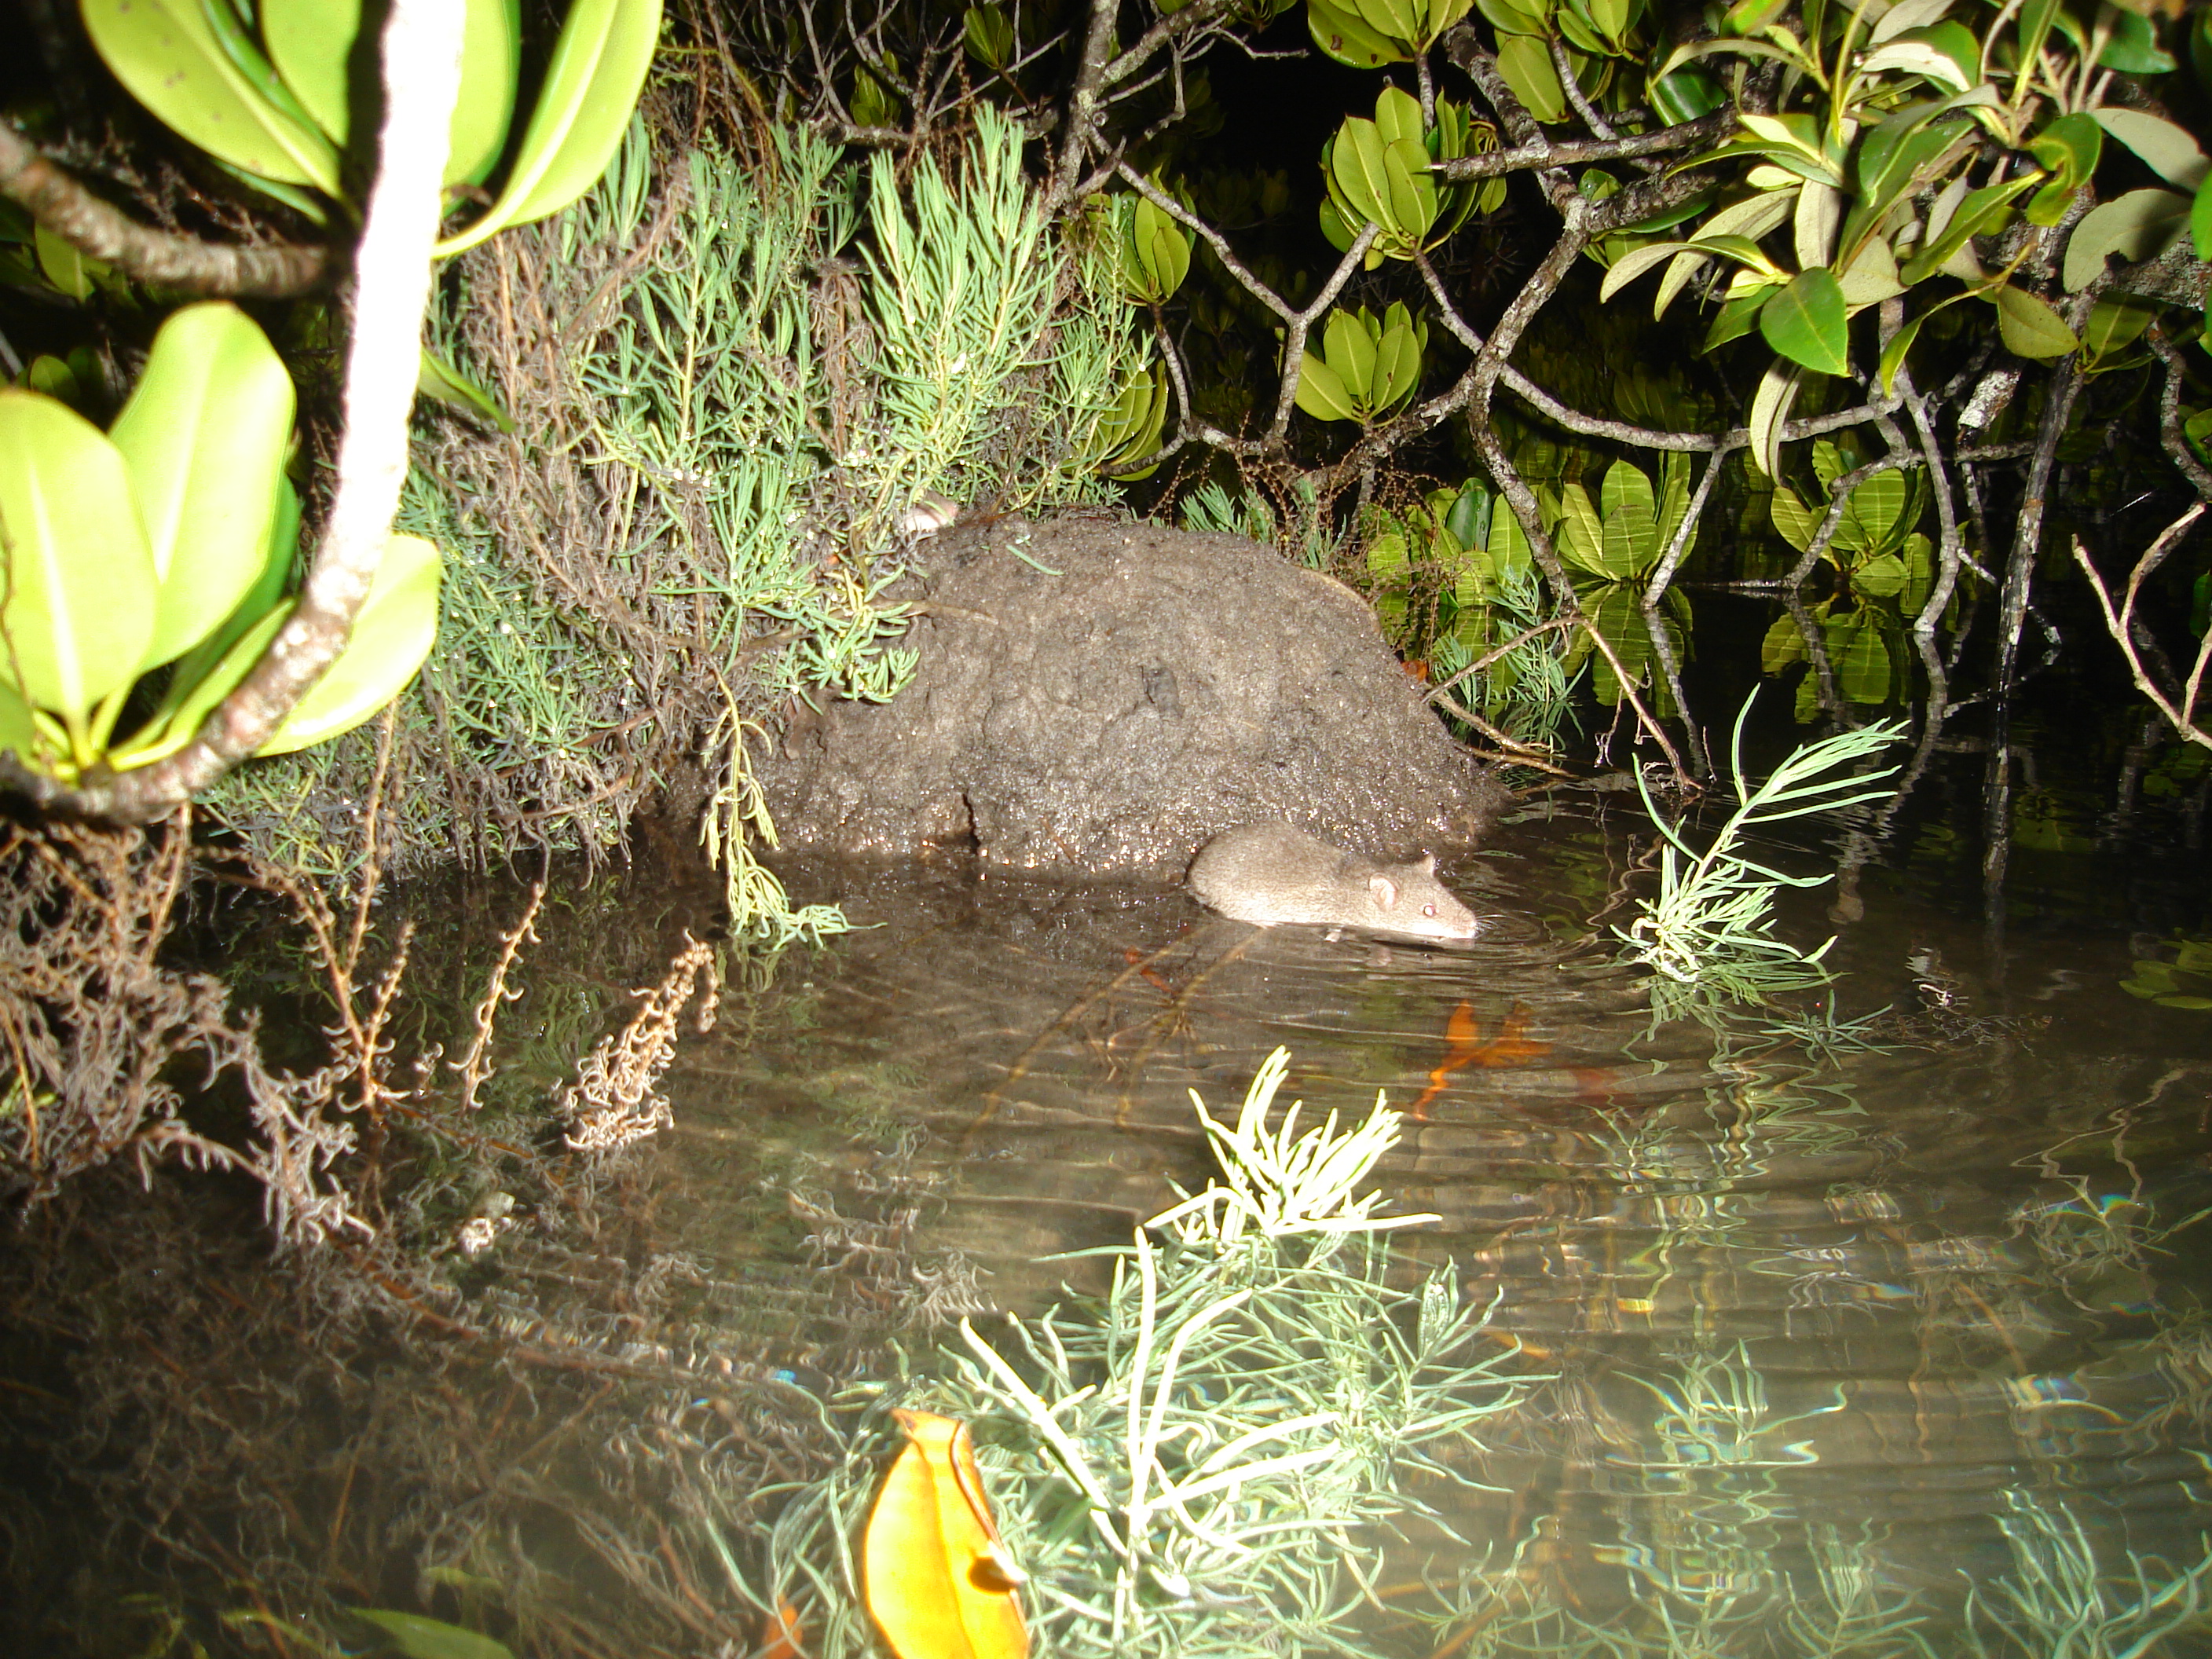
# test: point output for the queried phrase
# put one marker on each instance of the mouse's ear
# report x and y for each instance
(1428, 864)
(1385, 891)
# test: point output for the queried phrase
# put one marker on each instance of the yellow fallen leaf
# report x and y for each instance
(938, 1582)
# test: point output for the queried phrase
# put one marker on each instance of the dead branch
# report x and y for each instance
(100, 230)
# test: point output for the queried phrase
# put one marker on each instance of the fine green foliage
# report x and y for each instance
(1710, 923)
(727, 411)
(1211, 1461)
(2060, 1600)
(961, 292)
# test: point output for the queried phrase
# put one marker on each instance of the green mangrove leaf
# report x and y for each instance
(190, 701)
(1861, 657)
(1738, 315)
(56, 379)
(1871, 277)
(1340, 30)
(1507, 546)
(1155, 254)
(1131, 430)
(1744, 252)
(390, 637)
(1388, 561)
(989, 35)
(2138, 226)
(1875, 514)
(1806, 322)
(1359, 172)
(1631, 544)
(2200, 221)
(205, 435)
(263, 597)
(311, 42)
(62, 265)
(79, 610)
(2068, 149)
(432, 1639)
(1322, 391)
(1919, 557)
(1398, 357)
(590, 87)
(1616, 610)
(1633, 264)
(1516, 16)
(874, 104)
(1769, 414)
(1923, 57)
(1753, 217)
(1398, 117)
(1819, 211)
(1783, 644)
(169, 56)
(1686, 94)
(2164, 148)
(1797, 522)
(1907, 14)
(1526, 63)
(1613, 19)
(2112, 327)
(1580, 531)
(440, 380)
(1350, 348)
(1979, 213)
(2030, 327)
(2134, 48)
(1881, 577)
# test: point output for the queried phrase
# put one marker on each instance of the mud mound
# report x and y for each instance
(1100, 697)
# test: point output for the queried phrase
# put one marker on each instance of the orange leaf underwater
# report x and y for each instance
(1510, 1047)
(938, 1582)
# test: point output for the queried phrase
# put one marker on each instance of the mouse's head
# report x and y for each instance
(1409, 899)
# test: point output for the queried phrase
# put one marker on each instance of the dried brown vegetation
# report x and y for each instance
(104, 1036)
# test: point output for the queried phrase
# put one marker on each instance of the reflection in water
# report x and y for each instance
(1834, 1345)
(1897, 1353)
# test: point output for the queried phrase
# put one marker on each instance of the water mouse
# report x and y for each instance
(1271, 874)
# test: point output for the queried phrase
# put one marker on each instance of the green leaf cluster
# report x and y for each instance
(1620, 536)
(1131, 427)
(268, 90)
(1367, 366)
(1619, 539)
(2184, 982)
(1369, 33)
(1909, 141)
(1378, 173)
(1876, 547)
(1154, 250)
(165, 543)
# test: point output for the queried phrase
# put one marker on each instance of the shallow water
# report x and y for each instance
(1897, 1324)
(1817, 1345)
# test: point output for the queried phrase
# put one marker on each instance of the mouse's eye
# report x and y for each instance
(1428, 909)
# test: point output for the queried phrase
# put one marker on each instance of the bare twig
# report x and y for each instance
(2181, 713)
(186, 264)
(474, 1071)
